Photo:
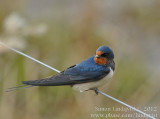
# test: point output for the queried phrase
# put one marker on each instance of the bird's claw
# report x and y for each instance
(95, 90)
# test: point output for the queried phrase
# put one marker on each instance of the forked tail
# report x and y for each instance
(18, 87)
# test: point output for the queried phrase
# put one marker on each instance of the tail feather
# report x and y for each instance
(18, 87)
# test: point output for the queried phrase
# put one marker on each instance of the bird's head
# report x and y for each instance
(103, 55)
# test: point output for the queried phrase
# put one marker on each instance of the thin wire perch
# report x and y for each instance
(100, 92)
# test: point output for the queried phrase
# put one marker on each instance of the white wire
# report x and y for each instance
(21, 53)
(59, 72)
(125, 104)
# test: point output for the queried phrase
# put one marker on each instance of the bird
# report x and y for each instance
(87, 75)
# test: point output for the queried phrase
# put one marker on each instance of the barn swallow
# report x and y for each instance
(87, 75)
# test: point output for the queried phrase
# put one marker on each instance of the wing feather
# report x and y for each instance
(75, 74)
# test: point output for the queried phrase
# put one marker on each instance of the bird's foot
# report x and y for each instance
(95, 90)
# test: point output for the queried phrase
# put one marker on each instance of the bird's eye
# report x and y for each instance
(104, 54)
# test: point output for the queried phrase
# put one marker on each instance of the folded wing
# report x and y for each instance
(86, 71)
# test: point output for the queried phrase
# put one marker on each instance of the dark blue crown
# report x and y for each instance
(106, 50)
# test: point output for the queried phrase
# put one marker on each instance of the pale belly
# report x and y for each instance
(86, 86)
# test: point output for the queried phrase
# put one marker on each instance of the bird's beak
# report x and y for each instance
(97, 56)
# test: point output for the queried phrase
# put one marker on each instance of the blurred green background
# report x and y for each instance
(61, 33)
